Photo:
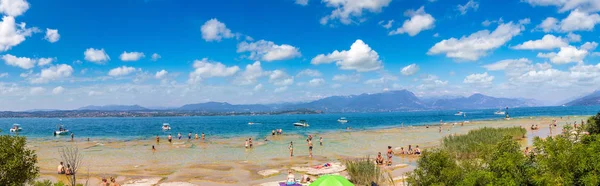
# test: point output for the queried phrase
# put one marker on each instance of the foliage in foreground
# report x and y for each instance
(593, 124)
(17, 163)
(480, 141)
(49, 183)
(559, 160)
(364, 172)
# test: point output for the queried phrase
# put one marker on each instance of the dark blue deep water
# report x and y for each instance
(227, 126)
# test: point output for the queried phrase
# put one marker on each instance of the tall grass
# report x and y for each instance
(479, 142)
(363, 171)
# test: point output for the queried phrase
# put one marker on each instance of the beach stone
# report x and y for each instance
(268, 172)
(143, 182)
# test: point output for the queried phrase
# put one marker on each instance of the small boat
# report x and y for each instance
(301, 123)
(459, 113)
(61, 131)
(251, 123)
(342, 120)
(166, 127)
(499, 112)
(16, 128)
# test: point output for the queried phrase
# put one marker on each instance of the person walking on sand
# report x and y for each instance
(321, 141)
(246, 144)
(291, 149)
(203, 136)
(179, 135)
(190, 136)
(310, 148)
(153, 149)
(72, 137)
(170, 138)
(390, 153)
(157, 139)
(196, 137)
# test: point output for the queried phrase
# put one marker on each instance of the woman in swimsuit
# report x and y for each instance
(291, 179)
(196, 137)
(379, 159)
(246, 144)
(170, 138)
(250, 142)
(291, 149)
(203, 136)
(157, 139)
(310, 147)
(390, 153)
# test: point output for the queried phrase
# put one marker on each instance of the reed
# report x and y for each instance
(364, 171)
(479, 142)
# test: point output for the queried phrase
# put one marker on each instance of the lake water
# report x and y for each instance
(229, 126)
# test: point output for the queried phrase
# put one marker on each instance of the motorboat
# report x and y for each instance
(16, 128)
(251, 123)
(61, 131)
(499, 112)
(459, 113)
(343, 120)
(301, 123)
(166, 127)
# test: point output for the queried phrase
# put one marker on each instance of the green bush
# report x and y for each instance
(364, 171)
(17, 163)
(479, 142)
(593, 124)
(48, 183)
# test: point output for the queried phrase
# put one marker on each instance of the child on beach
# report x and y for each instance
(153, 149)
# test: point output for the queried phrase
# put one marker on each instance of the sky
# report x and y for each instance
(66, 54)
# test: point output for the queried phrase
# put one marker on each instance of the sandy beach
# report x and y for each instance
(225, 161)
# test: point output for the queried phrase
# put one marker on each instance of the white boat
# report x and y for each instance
(459, 113)
(342, 120)
(499, 112)
(166, 126)
(251, 123)
(301, 123)
(16, 128)
(61, 130)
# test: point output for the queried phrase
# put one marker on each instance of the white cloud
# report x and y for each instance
(280, 78)
(131, 56)
(549, 24)
(13, 8)
(95, 93)
(516, 67)
(155, 57)
(410, 70)
(45, 61)
(302, 2)
(52, 35)
(258, 87)
(375, 81)
(3, 75)
(309, 73)
(463, 9)
(573, 37)
(431, 82)
(36, 90)
(161, 74)
(478, 44)
(22, 62)
(346, 11)
(479, 79)
(316, 82)
(419, 21)
(436, 35)
(213, 30)
(576, 21)
(58, 90)
(566, 5)
(97, 56)
(121, 71)
(280, 89)
(548, 42)
(12, 34)
(589, 46)
(268, 51)
(54, 73)
(486, 23)
(568, 54)
(206, 69)
(387, 25)
(251, 74)
(347, 78)
(360, 57)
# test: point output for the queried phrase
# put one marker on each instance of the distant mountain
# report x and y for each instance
(401, 100)
(480, 101)
(114, 108)
(590, 99)
(225, 107)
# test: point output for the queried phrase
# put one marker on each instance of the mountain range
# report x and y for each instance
(389, 101)
(590, 99)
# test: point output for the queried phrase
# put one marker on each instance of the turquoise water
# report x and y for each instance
(229, 126)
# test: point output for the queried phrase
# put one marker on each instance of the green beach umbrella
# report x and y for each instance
(331, 180)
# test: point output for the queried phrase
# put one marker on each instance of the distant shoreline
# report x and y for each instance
(134, 114)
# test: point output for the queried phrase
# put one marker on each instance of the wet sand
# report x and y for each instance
(225, 161)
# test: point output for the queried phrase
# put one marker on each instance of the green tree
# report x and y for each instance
(593, 124)
(436, 167)
(17, 163)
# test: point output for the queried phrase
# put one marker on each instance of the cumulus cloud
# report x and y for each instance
(258, 87)
(478, 44)
(410, 70)
(12, 34)
(58, 90)
(251, 74)
(316, 82)
(548, 42)
(419, 21)
(121, 71)
(45, 61)
(479, 79)
(387, 25)
(52, 35)
(463, 9)
(131, 56)
(280, 78)
(21, 62)
(346, 78)
(347, 11)
(589, 46)
(213, 30)
(37, 90)
(568, 54)
(566, 5)
(268, 51)
(161, 74)
(360, 57)
(309, 73)
(516, 67)
(206, 69)
(13, 8)
(53, 73)
(3, 75)
(280, 89)
(431, 82)
(155, 57)
(97, 56)
(576, 21)
(573, 37)
(302, 2)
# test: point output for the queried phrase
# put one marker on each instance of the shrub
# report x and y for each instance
(479, 142)
(593, 124)
(17, 163)
(364, 171)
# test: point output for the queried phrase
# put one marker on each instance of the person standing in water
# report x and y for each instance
(157, 139)
(321, 141)
(310, 147)
(390, 153)
(179, 135)
(72, 136)
(170, 138)
(203, 136)
(190, 136)
(291, 149)
(196, 137)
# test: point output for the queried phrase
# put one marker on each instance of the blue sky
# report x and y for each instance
(167, 53)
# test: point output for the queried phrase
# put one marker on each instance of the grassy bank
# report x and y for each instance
(479, 141)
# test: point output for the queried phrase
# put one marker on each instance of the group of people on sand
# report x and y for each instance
(64, 170)
(291, 179)
(106, 183)
(390, 153)
(248, 143)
